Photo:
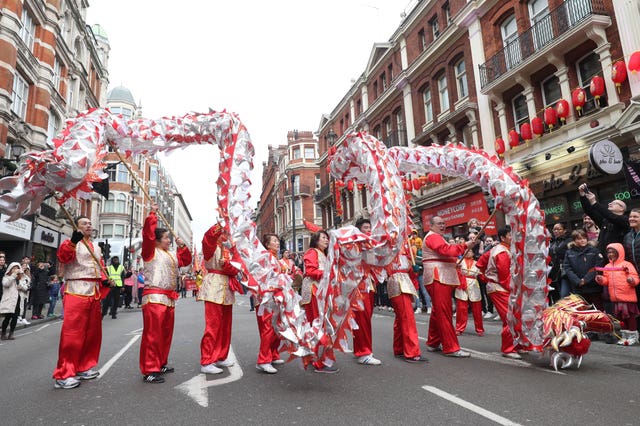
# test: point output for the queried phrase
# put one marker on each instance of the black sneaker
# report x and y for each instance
(166, 369)
(416, 359)
(153, 378)
(327, 369)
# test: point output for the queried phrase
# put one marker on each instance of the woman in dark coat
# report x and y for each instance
(580, 263)
(39, 289)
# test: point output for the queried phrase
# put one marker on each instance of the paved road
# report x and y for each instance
(485, 389)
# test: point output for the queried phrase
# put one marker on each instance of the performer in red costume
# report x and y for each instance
(269, 340)
(402, 292)
(468, 293)
(217, 292)
(315, 260)
(496, 268)
(81, 334)
(440, 277)
(158, 297)
(362, 337)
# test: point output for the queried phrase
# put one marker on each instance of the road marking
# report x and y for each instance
(42, 327)
(114, 358)
(471, 407)
(197, 387)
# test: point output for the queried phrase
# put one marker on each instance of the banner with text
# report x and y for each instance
(461, 211)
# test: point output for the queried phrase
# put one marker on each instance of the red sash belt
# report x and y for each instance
(448, 260)
(216, 271)
(234, 284)
(397, 271)
(171, 294)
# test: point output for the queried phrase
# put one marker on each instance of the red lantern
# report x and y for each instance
(350, 185)
(514, 139)
(424, 179)
(597, 88)
(360, 186)
(537, 126)
(417, 184)
(550, 117)
(408, 186)
(525, 132)
(499, 145)
(562, 109)
(340, 184)
(634, 62)
(578, 99)
(619, 74)
(437, 178)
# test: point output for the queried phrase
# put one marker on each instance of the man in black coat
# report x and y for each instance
(611, 220)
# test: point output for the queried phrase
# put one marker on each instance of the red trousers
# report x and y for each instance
(216, 340)
(405, 332)
(311, 311)
(80, 337)
(157, 320)
(269, 340)
(362, 341)
(500, 301)
(462, 315)
(441, 322)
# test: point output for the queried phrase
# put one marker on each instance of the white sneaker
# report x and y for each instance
(428, 310)
(68, 383)
(225, 363)
(25, 322)
(369, 360)
(487, 315)
(210, 369)
(267, 368)
(417, 311)
(497, 317)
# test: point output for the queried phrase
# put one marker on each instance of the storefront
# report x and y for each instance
(457, 214)
(558, 194)
(14, 237)
(45, 244)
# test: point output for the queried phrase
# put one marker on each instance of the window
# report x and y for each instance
(309, 152)
(399, 119)
(56, 74)
(358, 107)
(19, 96)
(383, 80)
(118, 230)
(70, 97)
(121, 204)
(390, 72)
(28, 29)
(588, 67)
(375, 89)
(444, 93)
(377, 132)
(123, 174)
(540, 22)
(52, 126)
(435, 29)
(520, 111)
(461, 78)
(318, 182)
(446, 11)
(428, 107)
(296, 184)
(422, 40)
(509, 30)
(107, 231)
(318, 212)
(551, 91)
(296, 153)
(298, 210)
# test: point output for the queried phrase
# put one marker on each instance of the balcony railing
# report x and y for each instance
(322, 194)
(548, 28)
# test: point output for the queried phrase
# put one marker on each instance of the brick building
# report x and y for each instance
(471, 72)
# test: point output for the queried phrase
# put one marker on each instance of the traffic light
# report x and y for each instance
(107, 250)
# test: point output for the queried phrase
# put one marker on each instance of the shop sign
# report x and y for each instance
(461, 211)
(577, 171)
(20, 228)
(606, 157)
(46, 237)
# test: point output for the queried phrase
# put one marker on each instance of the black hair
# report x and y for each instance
(160, 233)
(503, 232)
(361, 222)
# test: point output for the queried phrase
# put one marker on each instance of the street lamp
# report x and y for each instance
(331, 137)
(293, 214)
(133, 193)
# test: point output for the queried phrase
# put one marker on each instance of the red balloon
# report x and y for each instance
(525, 132)
(619, 74)
(550, 117)
(562, 109)
(634, 62)
(499, 145)
(514, 139)
(578, 99)
(537, 126)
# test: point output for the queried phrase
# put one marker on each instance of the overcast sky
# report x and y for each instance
(280, 65)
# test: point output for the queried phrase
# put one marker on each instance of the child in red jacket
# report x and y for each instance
(621, 278)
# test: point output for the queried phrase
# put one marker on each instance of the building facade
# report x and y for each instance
(473, 73)
(52, 65)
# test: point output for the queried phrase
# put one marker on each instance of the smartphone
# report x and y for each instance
(586, 189)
